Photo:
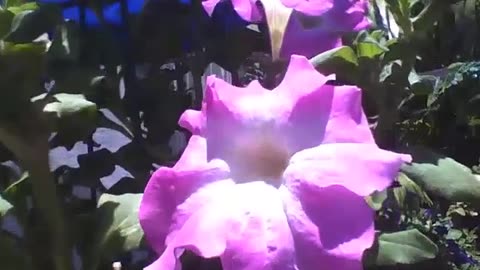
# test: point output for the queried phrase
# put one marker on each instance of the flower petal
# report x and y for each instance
(202, 227)
(247, 234)
(260, 238)
(193, 121)
(247, 10)
(209, 194)
(335, 19)
(170, 187)
(234, 113)
(299, 108)
(302, 112)
(310, 101)
(346, 16)
(331, 227)
(347, 121)
(361, 168)
(209, 6)
(312, 7)
(322, 113)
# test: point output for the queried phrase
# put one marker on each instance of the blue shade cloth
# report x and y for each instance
(73, 13)
(112, 12)
(224, 17)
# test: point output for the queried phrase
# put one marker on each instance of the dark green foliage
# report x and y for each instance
(107, 105)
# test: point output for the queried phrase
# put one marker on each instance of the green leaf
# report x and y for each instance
(71, 115)
(421, 84)
(6, 18)
(454, 234)
(28, 25)
(16, 6)
(12, 3)
(70, 104)
(343, 54)
(5, 206)
(401, 13)
(453, 75)
(26, 51)
(341, 61)
(400, 193)
(117, 227)
(370, 45)
(460, 211)
(17, 194)
(405, 247)
(412, 187)
(375, 201)
(442, 176)
(370, 49)
(391, 71)
(21, 66)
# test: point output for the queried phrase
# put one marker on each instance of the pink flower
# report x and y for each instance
(271, 179)
(334, 18)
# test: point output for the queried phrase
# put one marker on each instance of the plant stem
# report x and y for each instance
(27, 138)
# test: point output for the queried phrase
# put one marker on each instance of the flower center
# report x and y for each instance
(260, 158)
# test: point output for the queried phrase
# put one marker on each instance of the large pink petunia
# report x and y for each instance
(271, 179)
(333, 19)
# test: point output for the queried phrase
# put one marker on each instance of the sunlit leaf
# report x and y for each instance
(376, 199)
(404, 247)
(401, 13)
(5, 206)
(17, 6)
(69, 104)
(341, 61)
(343, 53)
(72, 116)
(442, 176)
(412, 187)
(369, 50)
(28, 25)
(454, 234)
(117, 228)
